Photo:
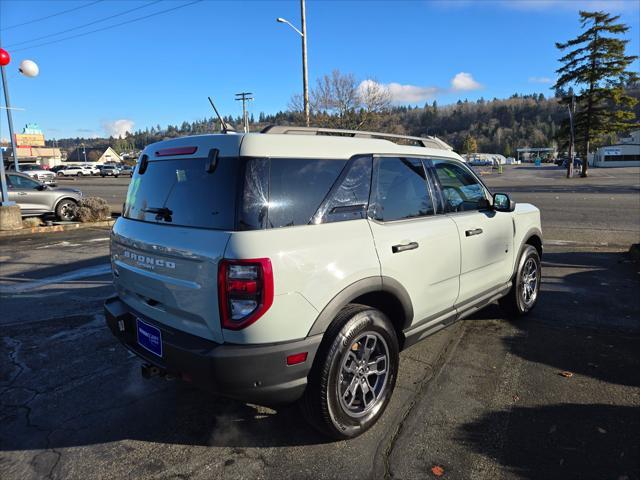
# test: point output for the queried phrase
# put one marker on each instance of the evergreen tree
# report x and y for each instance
(599, 65)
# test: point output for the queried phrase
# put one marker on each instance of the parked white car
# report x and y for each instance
(295, 264)
(109, 171)
(74, 171)
(36, 172)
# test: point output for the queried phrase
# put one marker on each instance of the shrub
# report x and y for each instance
(93, 209)
(31, 222)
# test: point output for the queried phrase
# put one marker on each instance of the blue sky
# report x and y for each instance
(160, 70)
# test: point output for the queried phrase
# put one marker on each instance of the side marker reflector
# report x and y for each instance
(297, 358)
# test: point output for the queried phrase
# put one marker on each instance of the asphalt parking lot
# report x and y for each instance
(485, 398)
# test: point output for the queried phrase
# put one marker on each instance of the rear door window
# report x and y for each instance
(401, 190)
(182, 192)
(349, 197)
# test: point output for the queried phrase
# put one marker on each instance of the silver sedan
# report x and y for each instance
(35, 198)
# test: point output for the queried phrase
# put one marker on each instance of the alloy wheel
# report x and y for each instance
(363, 374)
(529, 285)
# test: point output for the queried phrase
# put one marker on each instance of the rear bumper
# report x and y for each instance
(251, 373)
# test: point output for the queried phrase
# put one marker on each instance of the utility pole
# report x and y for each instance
(305, 75)
(244, 98)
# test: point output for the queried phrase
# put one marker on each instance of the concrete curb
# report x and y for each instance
(55, 228)
(634, 251)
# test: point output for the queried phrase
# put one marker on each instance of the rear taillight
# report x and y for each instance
(245, 291)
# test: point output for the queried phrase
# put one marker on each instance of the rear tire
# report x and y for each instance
(79, 174)
(354, 373)
(526, 284)
(66, 210)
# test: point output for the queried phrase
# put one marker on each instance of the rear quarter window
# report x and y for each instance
(285, 192)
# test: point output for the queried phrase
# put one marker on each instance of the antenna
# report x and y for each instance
(225, 128)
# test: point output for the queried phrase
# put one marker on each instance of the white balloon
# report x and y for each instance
(29, 68)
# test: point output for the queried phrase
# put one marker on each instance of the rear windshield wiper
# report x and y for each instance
(161, 213)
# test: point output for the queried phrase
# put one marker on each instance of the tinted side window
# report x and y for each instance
(297, 188)
(350, 196)
(255, 195)
(460, 189)
(401, 190)
(21, 182)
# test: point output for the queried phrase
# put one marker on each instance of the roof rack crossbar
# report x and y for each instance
(429, 142)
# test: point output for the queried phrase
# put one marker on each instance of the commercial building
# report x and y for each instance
(93, 155)
(625, 153)
(31, 148)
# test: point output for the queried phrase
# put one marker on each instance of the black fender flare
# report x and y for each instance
(355, 290)
(533, 231)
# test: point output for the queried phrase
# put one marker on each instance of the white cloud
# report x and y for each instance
(118, 128)
(464, 81)
(540, 80)
(402, 93)
(412, 94)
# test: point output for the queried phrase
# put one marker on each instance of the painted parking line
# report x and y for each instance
(95, 271)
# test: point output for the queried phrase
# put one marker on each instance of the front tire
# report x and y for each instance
(66, 210)
(526, 284)
(354, 373)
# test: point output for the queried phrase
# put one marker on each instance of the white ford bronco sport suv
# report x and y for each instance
(295, 263)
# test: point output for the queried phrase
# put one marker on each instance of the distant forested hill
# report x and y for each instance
(498, 126)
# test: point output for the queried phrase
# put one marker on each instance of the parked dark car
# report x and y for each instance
(35, 198)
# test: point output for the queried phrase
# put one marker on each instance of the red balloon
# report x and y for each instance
(4, 57)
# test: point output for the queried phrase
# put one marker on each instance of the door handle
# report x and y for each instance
(404, 247)
(22, 193)
(471, 233)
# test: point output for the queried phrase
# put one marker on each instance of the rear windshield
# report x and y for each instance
(182, 192)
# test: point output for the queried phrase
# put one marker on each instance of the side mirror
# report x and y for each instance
(41, 187)
(502, 203)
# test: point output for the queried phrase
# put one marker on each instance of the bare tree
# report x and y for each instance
(374, 100)
(340, 101)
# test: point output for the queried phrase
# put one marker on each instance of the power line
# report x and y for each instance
(108, 27)
(85, 25)
(51, 16)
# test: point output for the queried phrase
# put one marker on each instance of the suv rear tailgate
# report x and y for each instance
(169, 273)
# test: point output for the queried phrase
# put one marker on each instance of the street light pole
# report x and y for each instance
(28, 69)
(305, 80)
(303, 34)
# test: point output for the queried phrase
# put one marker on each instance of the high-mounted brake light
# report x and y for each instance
(245, 291)
(169, 152)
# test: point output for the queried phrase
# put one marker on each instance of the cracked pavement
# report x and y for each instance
(482, 399)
